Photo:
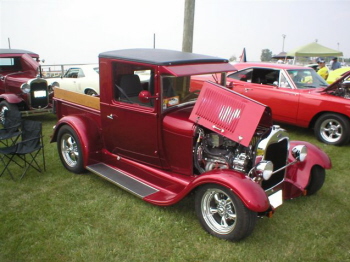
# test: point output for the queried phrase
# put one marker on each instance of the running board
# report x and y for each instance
(122, 180)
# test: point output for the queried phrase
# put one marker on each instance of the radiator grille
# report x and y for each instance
(277, 153)
(38, 94)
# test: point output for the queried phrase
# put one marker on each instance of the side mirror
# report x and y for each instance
(145, 96)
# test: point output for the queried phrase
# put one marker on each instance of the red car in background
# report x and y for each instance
(22, 87)
(298, 96)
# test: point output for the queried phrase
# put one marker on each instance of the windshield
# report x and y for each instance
(306, 78)
(181, 90)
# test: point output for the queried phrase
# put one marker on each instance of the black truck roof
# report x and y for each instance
(17, 51)
(160, 56)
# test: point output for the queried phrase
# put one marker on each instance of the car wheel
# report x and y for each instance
(332, 129)
(4, 105)
(317, 178)
(91, 92)
(69, 150)
(223, 214)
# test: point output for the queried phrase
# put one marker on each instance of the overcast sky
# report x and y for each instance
(76, 31)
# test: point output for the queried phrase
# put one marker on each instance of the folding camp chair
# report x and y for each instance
(10, 132)
(29, 147)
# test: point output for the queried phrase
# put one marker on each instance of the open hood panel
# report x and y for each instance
(227, 113)
(337, 84)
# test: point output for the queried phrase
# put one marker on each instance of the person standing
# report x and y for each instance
(322, 69)
(335, 64)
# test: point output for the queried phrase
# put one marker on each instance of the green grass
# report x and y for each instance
(59, 216)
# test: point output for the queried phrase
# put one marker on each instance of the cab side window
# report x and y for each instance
(265, 76)
(10, 64)
(81, 73)
(244, 75)
(72, 73)
(129, 80)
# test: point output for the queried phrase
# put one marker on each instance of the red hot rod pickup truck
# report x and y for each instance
(21, 85)
(149, 135)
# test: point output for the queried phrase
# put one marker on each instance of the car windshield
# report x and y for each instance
(306, 78)
(180, 90)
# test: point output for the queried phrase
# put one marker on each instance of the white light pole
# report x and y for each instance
(284, 37)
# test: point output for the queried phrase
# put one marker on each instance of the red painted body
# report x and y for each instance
(154, 143)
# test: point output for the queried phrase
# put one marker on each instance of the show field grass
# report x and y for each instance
(60, 216)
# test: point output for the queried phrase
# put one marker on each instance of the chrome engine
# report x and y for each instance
(264, 160)
(214, 151)
(343, 90)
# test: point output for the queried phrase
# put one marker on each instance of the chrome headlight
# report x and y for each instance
(299, 152)
(265, 169)
(54, 85)
(25, 88)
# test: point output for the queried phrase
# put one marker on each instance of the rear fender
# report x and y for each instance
(87, 132)
(299, 173)
(251, 194)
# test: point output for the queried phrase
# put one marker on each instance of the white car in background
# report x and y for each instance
(82, 79)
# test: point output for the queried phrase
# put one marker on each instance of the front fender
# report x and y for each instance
(11, 98)
(315, 155)
(251, 194)
(299, 173)
(87, 132)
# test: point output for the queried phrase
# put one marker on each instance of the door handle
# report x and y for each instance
(247, 89)
(111, 116)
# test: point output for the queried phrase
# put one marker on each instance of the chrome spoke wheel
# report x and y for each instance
(69, 149)
(222, 213)
(331, 130)
(218, 211)
(4, 106)
(2, 113)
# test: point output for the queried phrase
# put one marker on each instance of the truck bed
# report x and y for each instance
(76, 98)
